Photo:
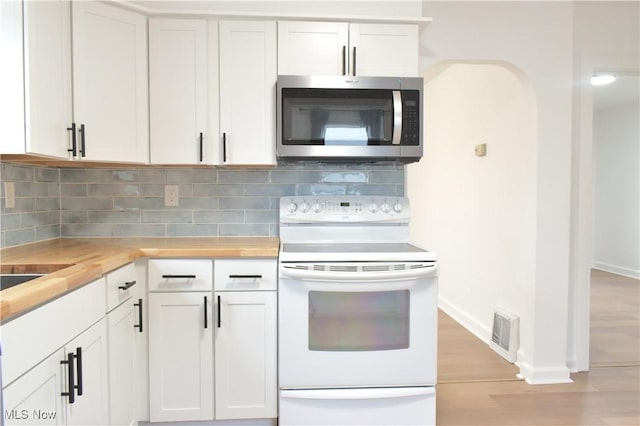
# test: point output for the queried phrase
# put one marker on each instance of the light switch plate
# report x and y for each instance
(481, 150)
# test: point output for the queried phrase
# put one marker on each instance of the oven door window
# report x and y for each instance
(345, 117)
(358, 321)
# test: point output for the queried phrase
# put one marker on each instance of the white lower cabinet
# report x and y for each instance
(246, 375)
(92, 400)
(121, 312)
(121, 358)
(48, 394)
(35, 397)
(246, 338)
(180, 356)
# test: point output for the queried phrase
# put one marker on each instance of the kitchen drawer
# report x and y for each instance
(180, 275)
(246, 274)
(120, 285)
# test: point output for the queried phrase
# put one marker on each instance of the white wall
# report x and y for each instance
(536, 38)
(606, 38)
(616, 189)
(477, 213)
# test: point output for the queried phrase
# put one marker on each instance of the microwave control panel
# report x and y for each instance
(410, 117)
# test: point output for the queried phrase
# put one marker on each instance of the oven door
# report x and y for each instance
(344, 327)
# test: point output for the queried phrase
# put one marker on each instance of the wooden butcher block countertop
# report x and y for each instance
(73, 262)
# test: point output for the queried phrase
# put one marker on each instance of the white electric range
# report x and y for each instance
(357, 314)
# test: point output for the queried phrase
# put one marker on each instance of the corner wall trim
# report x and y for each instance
(544, 376)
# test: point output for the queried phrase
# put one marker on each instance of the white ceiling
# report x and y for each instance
(625, 89)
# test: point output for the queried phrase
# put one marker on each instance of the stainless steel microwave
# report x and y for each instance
(349, 118)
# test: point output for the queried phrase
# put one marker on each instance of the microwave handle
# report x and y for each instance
(397, 118)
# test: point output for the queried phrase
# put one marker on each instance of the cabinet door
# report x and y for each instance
(110, 82)
(180, 356)
(120, 323)
(313, 48)
(178, 91)
(47, 47)
(92, 404)
(141, 341)
(246, 370)
(248, 75)
(35, 397)
(384, 50)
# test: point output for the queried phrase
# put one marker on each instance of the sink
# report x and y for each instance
(10, 280)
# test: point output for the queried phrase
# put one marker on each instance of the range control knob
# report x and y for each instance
(292, 207)
(317, 207)
(304, 207)
(397, 207)
(386, 208)
(373, 207)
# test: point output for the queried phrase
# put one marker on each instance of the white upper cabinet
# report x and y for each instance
(312, 48)
(179, 91)
(248, 73)
(36, 78)
(387, 50)
(325, 48)
(110, 82)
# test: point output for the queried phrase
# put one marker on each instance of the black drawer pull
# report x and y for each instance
(139, 325)
(344, 60)
(178, 276)
(255, 277)
(224, 147)
(70, 378)
(201, 149)
(127, 285)
(83, 140)
(206, 319)
(79, 370)
(354, 60)
(219, 310)
(74, 144)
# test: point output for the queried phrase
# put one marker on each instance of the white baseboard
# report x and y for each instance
(614, 269)
(474, 326)
(544, 376)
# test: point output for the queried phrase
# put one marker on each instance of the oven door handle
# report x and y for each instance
(369, 277)
(355, 393)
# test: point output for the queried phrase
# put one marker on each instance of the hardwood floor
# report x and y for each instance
(478, 387)
(462, 357)
(615, 320)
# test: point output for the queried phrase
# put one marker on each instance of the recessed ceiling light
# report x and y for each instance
(602, 79)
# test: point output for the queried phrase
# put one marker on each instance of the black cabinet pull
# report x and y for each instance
(224, 147)
(219, 310)
(70, 378)
(344, 60)
(83, 139)
(79, 370)
(139, 325)
(257, 277)
(201, 149)
(74, 145)
(178, 276)
(127, 285)
(354, 60)
(206, 320)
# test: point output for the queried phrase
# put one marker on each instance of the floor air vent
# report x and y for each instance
(504, 339)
